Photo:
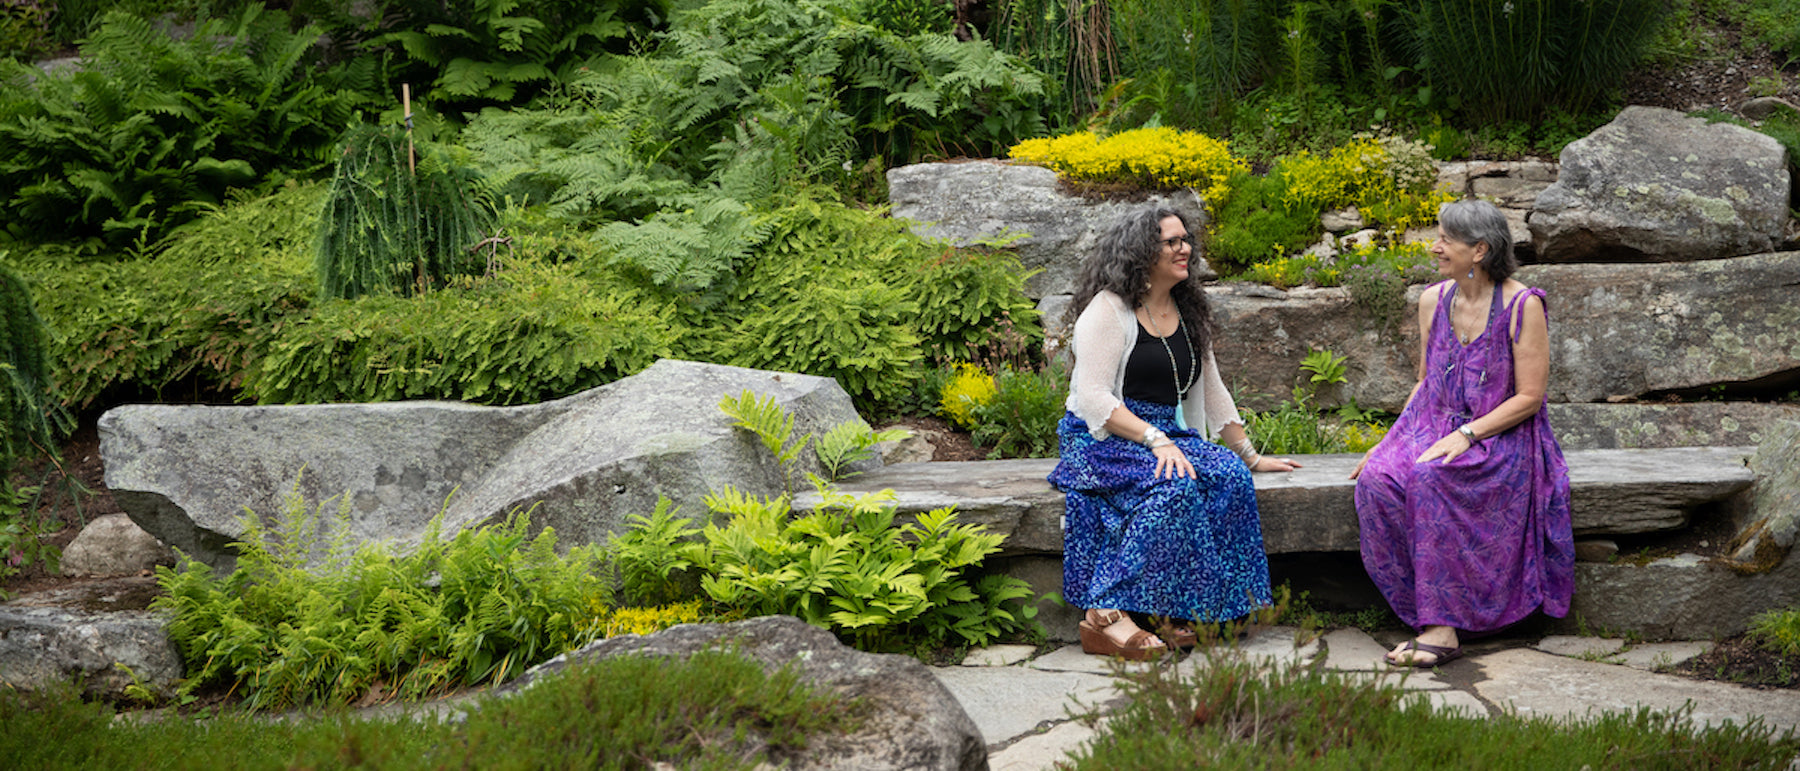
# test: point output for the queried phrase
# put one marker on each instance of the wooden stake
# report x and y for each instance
(406, 103)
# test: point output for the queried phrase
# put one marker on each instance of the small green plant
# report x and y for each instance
(847, 568)
(304, 618)
(1778, 631)
(850, 442)
(1019, 420)
(653, 556)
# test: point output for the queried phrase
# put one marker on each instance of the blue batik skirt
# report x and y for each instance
(1182, 548)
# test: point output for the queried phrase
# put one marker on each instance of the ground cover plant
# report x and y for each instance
(1232, 712)
(713, 710)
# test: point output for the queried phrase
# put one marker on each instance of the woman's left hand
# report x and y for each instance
(1452, 445)
(1270, 463)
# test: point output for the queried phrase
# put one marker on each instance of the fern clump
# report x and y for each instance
(152, 131)
(304, 618)
(388, 227)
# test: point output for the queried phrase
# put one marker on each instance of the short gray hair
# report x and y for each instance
(1473, 221)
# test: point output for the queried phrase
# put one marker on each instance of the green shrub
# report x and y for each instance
(1254, 223)
(24, 30)
(1778, 631)
(1019, 420)
(197, 312)
(534, 332)
(847, 568)
(150, 132)
(705, 711)
(1513, 60)
(388, 227)
(478, 608)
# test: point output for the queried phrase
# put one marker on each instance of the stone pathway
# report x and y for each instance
(1025, 705)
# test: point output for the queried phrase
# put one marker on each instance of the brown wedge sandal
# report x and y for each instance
(1139, 647)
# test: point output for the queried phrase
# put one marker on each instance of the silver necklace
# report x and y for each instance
(1174, 370)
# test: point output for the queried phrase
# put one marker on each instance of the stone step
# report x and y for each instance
(1616, 492)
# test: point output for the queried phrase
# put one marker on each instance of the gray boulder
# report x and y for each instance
(1766, 539)
(1264, 334)
(1655, 184)
(579, 464)
(980, 201)
(74, 634)
(1686, 597)
(1658, 425)
(114, 545)
(912, 721)
(1632, 330)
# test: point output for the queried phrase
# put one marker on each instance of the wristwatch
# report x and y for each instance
(1467, 432)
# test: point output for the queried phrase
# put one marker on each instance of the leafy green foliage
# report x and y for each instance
(24, 29)
(20, 541)
(772, 425)
(1019, 421)
(623, 712)
(1235, 712)
(30, 417)
(851, 442)
(151, 131)
(1778, 631)
(483, 52)
(387, 227)
(478, 608)
(1512, 61)
(1255, 223)
(532, 333)
(654, 554)
(846, 567)
(1295, 426)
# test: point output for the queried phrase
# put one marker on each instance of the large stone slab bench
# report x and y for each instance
(1615, 492)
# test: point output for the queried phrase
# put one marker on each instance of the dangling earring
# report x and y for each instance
(1471, 273)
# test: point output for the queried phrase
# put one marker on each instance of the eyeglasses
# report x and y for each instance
(1174, 244)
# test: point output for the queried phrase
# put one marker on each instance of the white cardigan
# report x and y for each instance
(1105, 333)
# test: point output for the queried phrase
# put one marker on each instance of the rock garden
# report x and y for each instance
(731, 336)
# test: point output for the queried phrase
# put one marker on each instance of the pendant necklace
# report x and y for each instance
(1175, 370)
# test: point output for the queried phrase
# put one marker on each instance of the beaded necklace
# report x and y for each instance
(1174, 369)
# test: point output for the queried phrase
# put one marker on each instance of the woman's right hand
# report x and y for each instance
(1171, 462)
(1356, 472)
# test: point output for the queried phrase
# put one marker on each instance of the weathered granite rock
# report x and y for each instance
(114, 545)
(1655, 184)
(1762, 107)
(1767, 538)
(185, 474)
(978, 201)
(1311, 509)
(1264, 334)
(1630, 330)
(1687, 597)
(1675, 424)
(913, 722)
(69, 635)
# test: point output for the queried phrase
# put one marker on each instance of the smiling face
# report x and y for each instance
(1171, 266)
(1454, 258)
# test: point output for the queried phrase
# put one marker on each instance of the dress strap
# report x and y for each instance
(1515, 310)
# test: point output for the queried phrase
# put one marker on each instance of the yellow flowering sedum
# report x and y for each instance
(1159, 157)
(612, 622)
(970, 387)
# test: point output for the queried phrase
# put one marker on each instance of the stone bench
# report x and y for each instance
(1615, 492)
(1310, 532)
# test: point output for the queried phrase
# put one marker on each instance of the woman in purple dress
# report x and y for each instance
(1464, 505)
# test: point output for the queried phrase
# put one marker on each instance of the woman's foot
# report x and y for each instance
(1435, 645)
(1113, 633)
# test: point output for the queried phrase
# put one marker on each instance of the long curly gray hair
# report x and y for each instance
(1120, 263)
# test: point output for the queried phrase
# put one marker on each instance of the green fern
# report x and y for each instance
(850, 442)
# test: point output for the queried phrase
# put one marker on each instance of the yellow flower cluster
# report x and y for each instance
(970, 387)
(1387, 178)
(1154, 157)
(612, 622)
(1361, 436)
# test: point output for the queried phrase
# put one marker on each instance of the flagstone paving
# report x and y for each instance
(1028, 706)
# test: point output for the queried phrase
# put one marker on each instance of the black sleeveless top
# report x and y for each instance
(1147, 371)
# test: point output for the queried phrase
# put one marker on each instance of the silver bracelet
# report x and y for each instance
(1245, 451)
(1468, 433)
(1151, 435)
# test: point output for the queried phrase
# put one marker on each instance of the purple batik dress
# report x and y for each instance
(1481, 541)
